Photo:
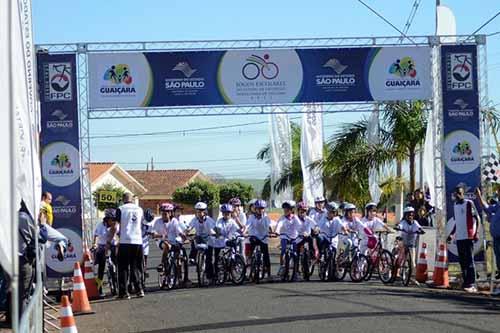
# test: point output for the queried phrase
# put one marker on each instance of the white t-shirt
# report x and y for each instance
(131, 224)
(355, 225)
(331, 228)
(409, 236)
(146, 229)
(289, 226)
(259, 227)
(316, 215)
(228, 230)
(374, 224)
(202, 229)
(306, 226)
(101, 232)
(465, 223)
(170, 231)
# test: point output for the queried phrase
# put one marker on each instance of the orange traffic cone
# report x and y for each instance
(88, 277)
(81, 303)
(421, 275)
(66, 317)
(440, 276)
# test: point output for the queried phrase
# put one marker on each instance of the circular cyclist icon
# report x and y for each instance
(257, 66)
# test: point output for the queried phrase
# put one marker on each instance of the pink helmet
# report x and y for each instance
(166, 207)
(302, 205)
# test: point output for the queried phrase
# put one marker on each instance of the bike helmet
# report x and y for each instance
(110, 213)
(408, 209)
(319, 199)
(349, 206)
(235, 202)
(302, 205)
(290, 204)
(226, 208)
(166, 207)
(252, 202)
(178, 207)
(332, 206)
(370, 205)
(200, 206)
(260, 204)
(148, 215)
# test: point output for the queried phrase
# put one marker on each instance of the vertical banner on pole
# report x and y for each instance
(60, 160)
(461, 130)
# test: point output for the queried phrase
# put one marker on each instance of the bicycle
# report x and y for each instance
(231, 265)
(256, 263)
(289, 255)
(326, 271)
(257, 66)
(173, 264)
(403, 263)
(112, 274)
(381, 261)
(305, 259)
(352, 260)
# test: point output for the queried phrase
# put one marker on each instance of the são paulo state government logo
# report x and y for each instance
(334, 77)
(183, 82)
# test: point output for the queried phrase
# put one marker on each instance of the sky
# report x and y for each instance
(231, 151)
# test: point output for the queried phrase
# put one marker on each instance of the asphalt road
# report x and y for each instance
(294, 307)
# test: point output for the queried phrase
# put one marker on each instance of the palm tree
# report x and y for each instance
(350, 156)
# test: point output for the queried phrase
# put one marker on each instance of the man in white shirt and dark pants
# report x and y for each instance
(130, 252)
(465, 231)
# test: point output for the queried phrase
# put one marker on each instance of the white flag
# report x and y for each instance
(281, 154)
(373, 175)
(311, 150)
(446, 24)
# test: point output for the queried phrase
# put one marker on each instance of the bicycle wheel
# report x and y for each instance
(406, 269)
(306, 265)
(386, 267)
(171, 274)
(340, 266)
(323, 268)
(359, 268)
(201, 269)
(238, 270)
(284, 276)
(221, 275)
(113, 285)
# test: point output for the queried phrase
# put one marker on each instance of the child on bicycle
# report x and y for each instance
(104, 241)
(203, 227)
(319, 211)
(409, 231)
(306, 231)
(374, 224)
(355, 227)
(288, 227)
(225, 229)
(258, 228)
(329, 227)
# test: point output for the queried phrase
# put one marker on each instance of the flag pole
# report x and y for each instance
(14, 285)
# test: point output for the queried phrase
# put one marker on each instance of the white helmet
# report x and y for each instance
(319, 199)
(200, 206)
(408, 209)
(349, 206)
(370, 204)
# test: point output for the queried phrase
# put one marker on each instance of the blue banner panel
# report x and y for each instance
(461, 130)
(60, 155)
(259, 76)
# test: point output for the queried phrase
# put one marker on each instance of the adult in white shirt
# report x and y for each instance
(465, 232)
(225, 229)
(288, 227)
(258, 228)
(130, 253)
(319, 210)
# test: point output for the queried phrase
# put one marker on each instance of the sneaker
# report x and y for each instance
(121, 297)
(140, 294)
(159, 268)
(192, 262)
(471, 290)
(495, 292)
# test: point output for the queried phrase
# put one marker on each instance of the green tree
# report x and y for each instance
(111, 188)
(235, 190)
(198, 191)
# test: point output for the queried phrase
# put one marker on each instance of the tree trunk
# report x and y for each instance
(399, 192)
(412, 169)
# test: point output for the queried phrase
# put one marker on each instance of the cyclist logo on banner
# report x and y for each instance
(259, 66)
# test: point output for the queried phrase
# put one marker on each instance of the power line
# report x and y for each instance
(493, 34)
(409, 21)
(483, 25)
(386, 21)
(193, 161)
